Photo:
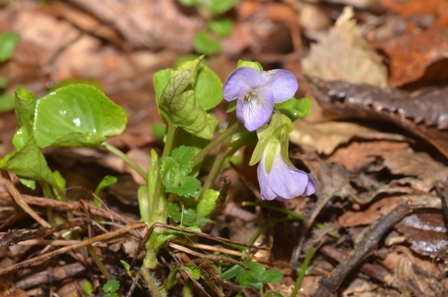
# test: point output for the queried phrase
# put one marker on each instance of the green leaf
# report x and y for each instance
(159, 131)
(88, 288)
(255, 267)
(6, 102)
(111, 286)
(186, 186)
(208, 88)
(232, 272)
(126, 266)
(8, 43)
(271, 276)
(205, 42)
(245, 63)
(21, 137)
(220, 6)
(74, 81)
(3, 82)
(25, 105)
(179, 107)
(222, 27)
(77, 116)
(160, 81)
(30, 183)
(174, 171)
(188, 2)
(108, 180)
(29, 163)
(61, 182)
(295, 109)
(194, 270)
(207, 204)
(250, 278)
(185, 216)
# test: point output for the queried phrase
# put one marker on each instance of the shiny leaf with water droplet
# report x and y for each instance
(77, 115)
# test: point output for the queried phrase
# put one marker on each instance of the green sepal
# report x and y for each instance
(277, 133)
(294, 108)
(232, 106)
(246, 63)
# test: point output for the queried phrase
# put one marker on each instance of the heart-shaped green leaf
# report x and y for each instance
(77, 115)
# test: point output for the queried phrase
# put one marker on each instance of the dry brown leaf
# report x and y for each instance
(415, 164)
(424, 13)
(323, 137)
(426, 232)
(411, 54)
(344, 54)
(359, 154)
(374, 212)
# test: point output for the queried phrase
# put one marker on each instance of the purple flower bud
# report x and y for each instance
(283, 181)
(257, 92)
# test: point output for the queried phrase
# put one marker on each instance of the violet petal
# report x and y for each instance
(282, 83)
(286, 181)
(257, 111)
(240, 82)
(263, 180)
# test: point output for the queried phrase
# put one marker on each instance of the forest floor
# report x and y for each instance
(375, 142)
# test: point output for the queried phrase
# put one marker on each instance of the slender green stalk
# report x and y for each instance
(220, 158)
(125, 158)
(156, 289)
(169, 141)
(156, 199)
(217, 141)
(302, 272)
(98, 262)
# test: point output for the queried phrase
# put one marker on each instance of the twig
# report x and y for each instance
(20, 201)
(63, 250)
(69, 206)
(365, 248)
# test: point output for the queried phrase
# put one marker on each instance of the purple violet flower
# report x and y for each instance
(257, 92)
(283, 181)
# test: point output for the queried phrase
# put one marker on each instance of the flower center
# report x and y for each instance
(248, 97)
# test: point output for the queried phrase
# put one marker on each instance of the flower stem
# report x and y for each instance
(224, 140)
(125, 158)
(169, 141)
(218, 140)
(159, 200)
(302, 272)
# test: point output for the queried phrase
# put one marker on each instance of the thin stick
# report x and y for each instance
(63, 250)
(19, 200)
